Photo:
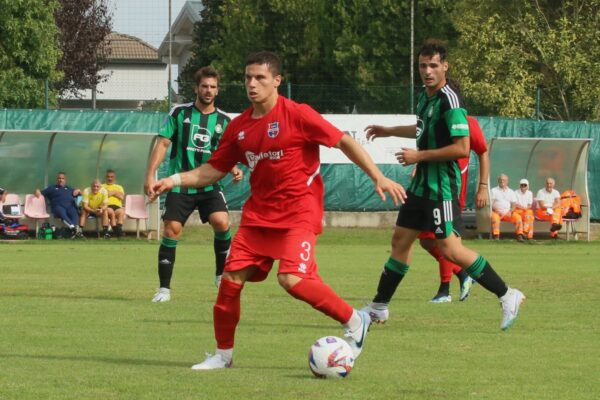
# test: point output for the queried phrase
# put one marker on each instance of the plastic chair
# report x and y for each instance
(35, 208)
(11, 208)
(135, 208)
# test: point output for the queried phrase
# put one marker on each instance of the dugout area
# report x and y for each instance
(31, 159)
(565, 160)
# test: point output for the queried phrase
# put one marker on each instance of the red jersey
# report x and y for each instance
(281, 149)
(477, 140)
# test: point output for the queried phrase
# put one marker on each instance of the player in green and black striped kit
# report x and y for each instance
(193, 131)
(432, 204)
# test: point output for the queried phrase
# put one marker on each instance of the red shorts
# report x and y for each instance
(426, 235)
(260, 247)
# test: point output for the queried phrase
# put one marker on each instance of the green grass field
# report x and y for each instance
(76, 322)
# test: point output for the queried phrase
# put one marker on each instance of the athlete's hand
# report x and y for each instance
(237, 174)
(160, 187)
(482, 197)
(148, 183)
(375, 131)
(395, 190)
(407, 156)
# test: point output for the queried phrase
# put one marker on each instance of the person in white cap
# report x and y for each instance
(523, 207)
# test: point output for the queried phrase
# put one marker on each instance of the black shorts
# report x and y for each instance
(178, 206)
(441, 218)
(114, 207)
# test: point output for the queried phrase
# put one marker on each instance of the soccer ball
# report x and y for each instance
(330, 357)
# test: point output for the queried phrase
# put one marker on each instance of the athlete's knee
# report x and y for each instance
(173, 229)
(220, 226)
(238, 277)
(219, 221)
(450, 248)
(287, 281)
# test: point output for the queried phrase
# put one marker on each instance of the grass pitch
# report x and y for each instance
(76, 322)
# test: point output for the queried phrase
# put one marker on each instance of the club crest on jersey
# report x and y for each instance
(273, 129)
(218, 128)
(420, 127)
(241, 135)
(430, 112)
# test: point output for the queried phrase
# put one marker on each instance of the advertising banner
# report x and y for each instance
(381, 150)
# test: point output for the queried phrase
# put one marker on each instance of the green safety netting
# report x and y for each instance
(347, 188)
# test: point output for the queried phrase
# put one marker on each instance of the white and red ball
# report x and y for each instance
(330, 357)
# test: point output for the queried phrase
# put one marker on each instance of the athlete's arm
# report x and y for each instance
(458, 149)
(360, 157)
(157, 156)
(482, 195)
(406, 131)
(199, 177)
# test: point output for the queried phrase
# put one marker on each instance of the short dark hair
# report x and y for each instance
(265, 57)
(110, 171)
(206, 72)
(432, 47)
(61, 173)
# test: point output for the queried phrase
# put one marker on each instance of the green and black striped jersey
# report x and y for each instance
(194, 137)
(440, 118)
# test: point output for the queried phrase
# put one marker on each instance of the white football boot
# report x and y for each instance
(378, 312)
(162, 295)
(356, 338)
(213, 362)
(465, 288)
(510, 303)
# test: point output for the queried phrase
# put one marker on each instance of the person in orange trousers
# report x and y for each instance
(503, 208)
(548, 207)
(523, 207)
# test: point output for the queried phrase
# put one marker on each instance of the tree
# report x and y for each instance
(29, 51)
(337, 54)
(373, 47)
(230, 29)
(509, 48)
(84, 25)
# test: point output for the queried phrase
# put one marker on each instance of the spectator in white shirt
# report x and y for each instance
(504, 203)
(548, 207)
(523, 207)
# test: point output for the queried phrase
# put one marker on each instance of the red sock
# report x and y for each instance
(321, 297)
(455, 268)
(226, 313)
(446, 266)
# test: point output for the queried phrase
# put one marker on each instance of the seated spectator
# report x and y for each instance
(116, 195)
(524, 207)
(3, 194)
(62, 203)
(504, 203)
(548, 207)
(95, 202)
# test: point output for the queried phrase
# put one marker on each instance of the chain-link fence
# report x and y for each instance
(327, 99)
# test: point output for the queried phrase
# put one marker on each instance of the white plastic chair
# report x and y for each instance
(135, 208)
(35, 208)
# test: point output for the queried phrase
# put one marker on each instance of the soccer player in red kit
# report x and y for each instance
(278, 140)
(427, 239)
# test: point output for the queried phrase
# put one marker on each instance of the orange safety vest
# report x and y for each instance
(570, 203)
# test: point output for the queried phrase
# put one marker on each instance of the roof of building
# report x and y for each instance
(182, 29)
(126, 48)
